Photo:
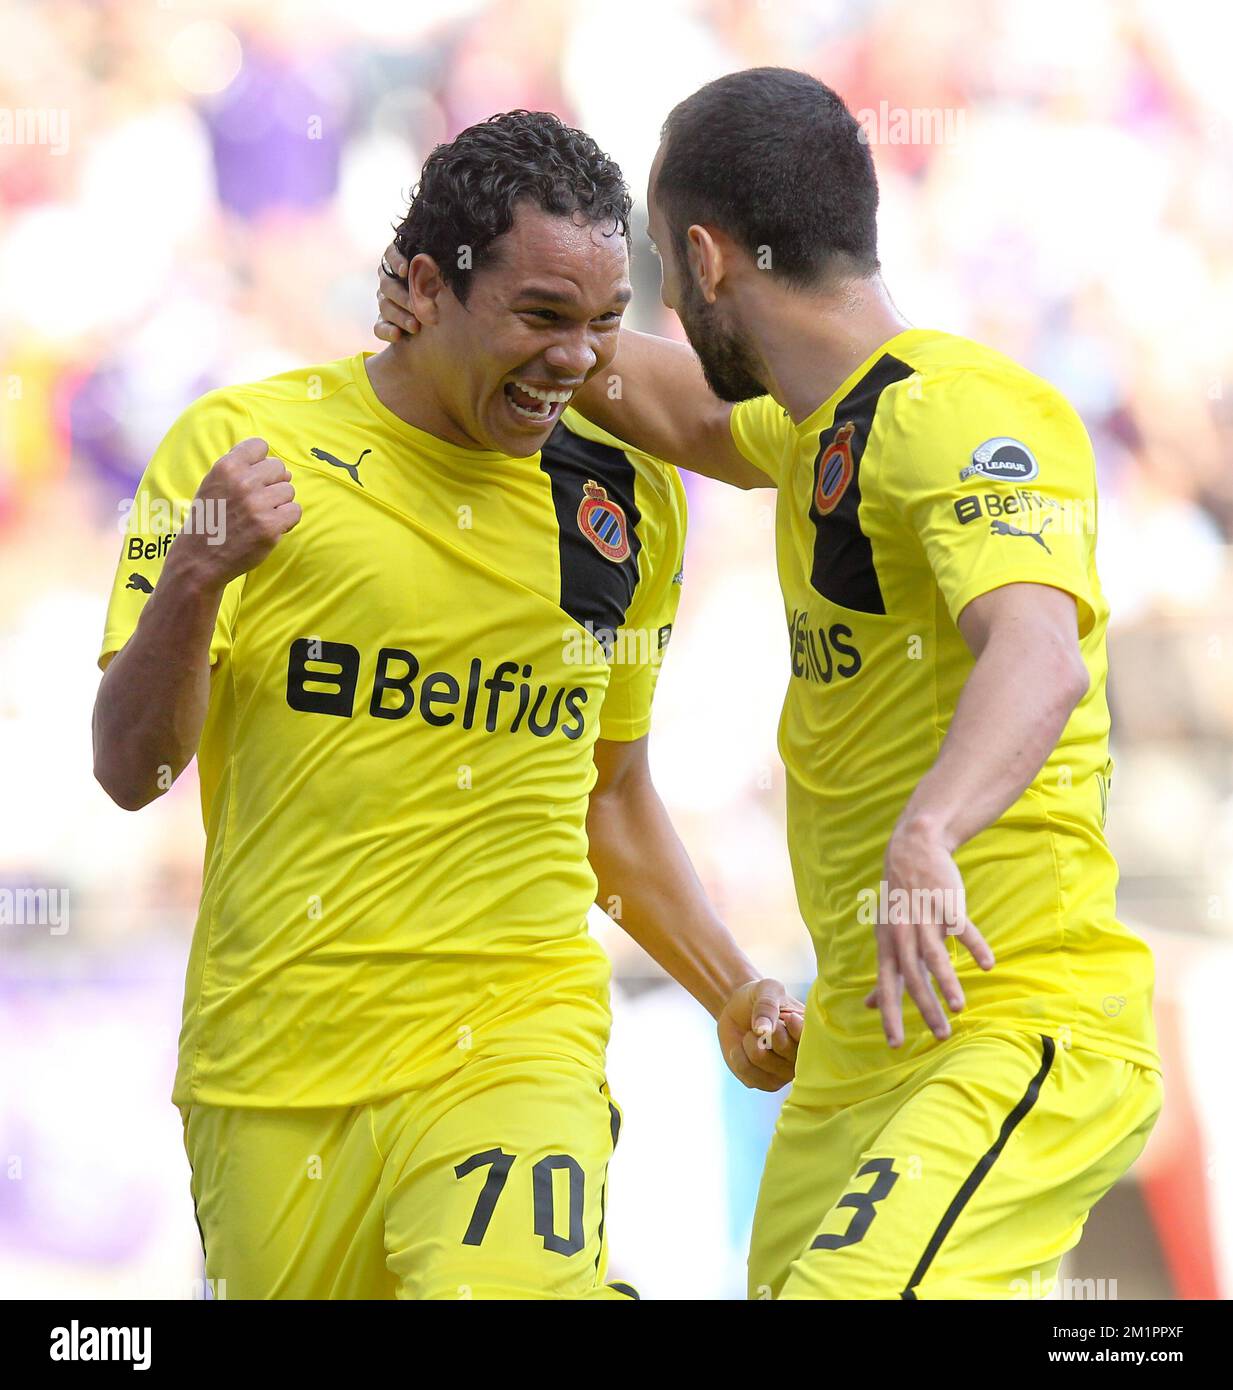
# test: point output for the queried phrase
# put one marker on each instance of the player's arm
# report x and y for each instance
(649, 887)
(1014, 574)
(152, 701)
(1025, 638)
(652, 395)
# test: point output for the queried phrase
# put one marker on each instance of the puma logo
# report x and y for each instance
(1004, 528)
(140, 583)
(352, 468)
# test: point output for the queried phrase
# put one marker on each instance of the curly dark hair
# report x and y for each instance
(469, 189)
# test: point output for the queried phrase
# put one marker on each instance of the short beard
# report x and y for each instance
(727, 361)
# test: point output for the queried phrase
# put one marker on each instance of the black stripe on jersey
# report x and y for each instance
(977, 1175)
(842, 556)
(594, 590)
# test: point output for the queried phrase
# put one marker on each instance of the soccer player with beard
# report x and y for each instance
(945, 730)
(417, 673)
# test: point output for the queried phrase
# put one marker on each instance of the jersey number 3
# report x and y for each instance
(865, 1204)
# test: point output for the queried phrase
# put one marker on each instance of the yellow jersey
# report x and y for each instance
(397, 756)
(937, 471)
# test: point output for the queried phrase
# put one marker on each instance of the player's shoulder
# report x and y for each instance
(306, 386)
(252, 405)
(658, 484)
(968, 405)
(950, 373)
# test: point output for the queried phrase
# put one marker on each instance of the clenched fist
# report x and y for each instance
(759, 1030)
(253, 494)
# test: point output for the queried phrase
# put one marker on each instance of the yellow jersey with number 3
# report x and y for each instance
(397, 756)
(940, 470)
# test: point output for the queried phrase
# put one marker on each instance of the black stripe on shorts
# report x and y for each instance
(977, 1175)
(614, 1128)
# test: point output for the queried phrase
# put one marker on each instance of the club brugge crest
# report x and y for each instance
(603, 523)
(834, 471)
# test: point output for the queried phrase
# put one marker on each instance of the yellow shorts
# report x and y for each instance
(489, 1184)
(970, 1179)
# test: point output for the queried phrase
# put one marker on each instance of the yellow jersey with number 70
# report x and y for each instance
(397, 756)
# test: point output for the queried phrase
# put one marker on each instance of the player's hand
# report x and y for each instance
(925, 902)
(758, 1032)
(394, 300)
(251, 493)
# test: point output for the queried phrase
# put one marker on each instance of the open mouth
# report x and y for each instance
(536, 405)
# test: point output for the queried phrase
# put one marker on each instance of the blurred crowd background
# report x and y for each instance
(193, 194)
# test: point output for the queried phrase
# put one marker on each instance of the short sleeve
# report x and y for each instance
(995, 475)
(163, 504)
(764, 434)
(640, 645)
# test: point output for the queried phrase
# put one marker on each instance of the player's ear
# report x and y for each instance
(426, 285)
(706, 261)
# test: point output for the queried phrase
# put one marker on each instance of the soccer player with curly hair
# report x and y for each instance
(417, 673)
